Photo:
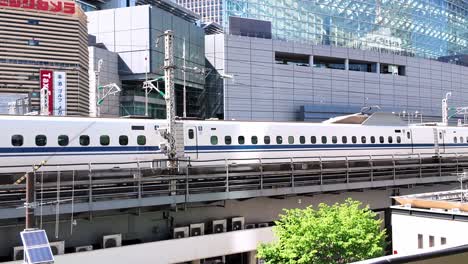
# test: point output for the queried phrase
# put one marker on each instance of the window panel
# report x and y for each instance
(214, 140)
(41, 140)
(123, 140)
(141, 140)
(84, 140)
(62, 140)
(104, 140)
(17, 140)
(279, 140)
(254, 140)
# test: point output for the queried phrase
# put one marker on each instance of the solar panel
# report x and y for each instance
(37, 248)
(34, 238)
(40, 255)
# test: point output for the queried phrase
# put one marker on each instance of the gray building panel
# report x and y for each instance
(287, 87)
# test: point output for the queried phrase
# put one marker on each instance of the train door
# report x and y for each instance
(409, 137)
(192, 141)
(439, 141)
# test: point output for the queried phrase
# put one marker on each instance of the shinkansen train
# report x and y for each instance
(56, 141)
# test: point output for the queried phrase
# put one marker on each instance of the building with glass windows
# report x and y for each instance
(424, 28)
(309, 60)
(131, 33)
(44, 42)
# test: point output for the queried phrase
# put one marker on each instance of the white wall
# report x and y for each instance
(405, 230)
(109, 74)
(175, 250)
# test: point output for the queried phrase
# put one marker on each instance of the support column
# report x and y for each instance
(252, 257)
(377, 67)
(311, 60)
(346, 64)
(30, 185)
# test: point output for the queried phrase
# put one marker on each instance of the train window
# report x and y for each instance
(214, 140)
(254, 140)
(440, 135)
(141, 140)
(398, 139)
(324, 140)
(104, 140)
(62, 140)
(334, 139)
(466, 139)
(41, 140)
(302, 139)
(266, 140)
(190, 134)
(372, 139)
(408, 135)
(138, 127)
(227, 140)
(382, 139)
(461, 139)
(84, 140)
(363, 140)
(390, 139)
(455, 139)
(123, 140)
(344, 139)
(291, 140)
(17, 140)
(241, 140)
(354, 139)
(279, 140)
(313, 139)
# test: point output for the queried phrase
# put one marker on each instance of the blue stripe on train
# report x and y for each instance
(122, 150)
(77, 149)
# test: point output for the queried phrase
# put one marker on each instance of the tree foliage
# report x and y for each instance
(340, 233)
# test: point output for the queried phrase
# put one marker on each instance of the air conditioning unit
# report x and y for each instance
(57, 247)
(197, 229)
(83, 248)
(259, 225)
(249, 226)
(18, 253)
(237, 223)
(219, 226)
(180, 232)
(111, 241)
(216, 260)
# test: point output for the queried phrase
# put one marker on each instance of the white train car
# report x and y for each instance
(30, 140)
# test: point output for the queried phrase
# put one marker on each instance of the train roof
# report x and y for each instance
(75, 118)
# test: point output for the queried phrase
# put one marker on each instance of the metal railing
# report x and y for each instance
(253, 177)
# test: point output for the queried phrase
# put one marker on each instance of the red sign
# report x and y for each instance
(47, 83)
(43, 5)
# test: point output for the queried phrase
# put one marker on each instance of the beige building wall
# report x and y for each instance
(62, 46)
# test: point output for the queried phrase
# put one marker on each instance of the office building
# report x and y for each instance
(309, 60)
(49, 40)
(132, 33)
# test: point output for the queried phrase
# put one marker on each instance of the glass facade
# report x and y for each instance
(423, 28)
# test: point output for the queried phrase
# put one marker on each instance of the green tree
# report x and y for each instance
(340, 233)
